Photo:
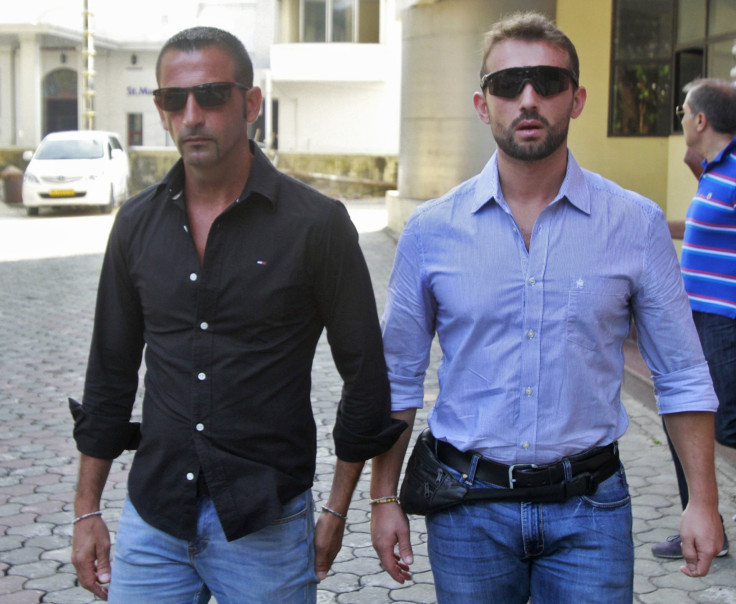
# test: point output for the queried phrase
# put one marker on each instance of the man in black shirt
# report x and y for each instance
(226, 273)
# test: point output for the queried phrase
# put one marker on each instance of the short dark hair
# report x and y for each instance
(716, 99)
(530, 27)
(196, 38)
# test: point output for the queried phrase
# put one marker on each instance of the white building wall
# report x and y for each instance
(126, 85)
(340, 98)
(339, 117)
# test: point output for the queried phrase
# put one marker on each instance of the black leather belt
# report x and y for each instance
(600, 462)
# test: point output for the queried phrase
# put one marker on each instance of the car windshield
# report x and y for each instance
(71, 149)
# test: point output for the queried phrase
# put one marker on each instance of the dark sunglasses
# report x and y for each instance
(679, 112)
(546, 80)
(212, 94)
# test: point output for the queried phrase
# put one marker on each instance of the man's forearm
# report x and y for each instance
(692, 434)
(93, 473)
(386, 468)
(344, 481)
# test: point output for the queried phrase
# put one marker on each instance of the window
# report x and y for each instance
(642, 67)
(330, 20)
(135, 129)
(705, 38)
(658, 47)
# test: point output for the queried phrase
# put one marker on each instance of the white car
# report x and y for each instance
(76, 168)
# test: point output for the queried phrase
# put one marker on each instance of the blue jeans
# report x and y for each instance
(275, 564)
(578, 551)
(718, 338)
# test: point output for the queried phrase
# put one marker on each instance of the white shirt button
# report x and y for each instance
(204, 325)
(201, 377)
(528, 391)
(532, 281)
(199, 427)
(530, 334)
(526, 445)
(190, 476)
(193, 277)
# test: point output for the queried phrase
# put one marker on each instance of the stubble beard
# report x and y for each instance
(530, 151)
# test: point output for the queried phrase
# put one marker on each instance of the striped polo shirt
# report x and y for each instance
(709, 247)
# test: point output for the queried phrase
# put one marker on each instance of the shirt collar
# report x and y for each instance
(729, 148)
(573, 188)
(262, 181)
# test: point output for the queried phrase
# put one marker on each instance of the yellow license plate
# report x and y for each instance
(61, 193)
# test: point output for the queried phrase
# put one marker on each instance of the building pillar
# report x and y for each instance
(28, 92)
(442, 141)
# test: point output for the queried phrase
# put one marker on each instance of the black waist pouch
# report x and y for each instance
(428, 487)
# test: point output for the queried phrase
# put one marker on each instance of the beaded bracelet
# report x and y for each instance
(334, 513)
(83, 516)
(390, 499)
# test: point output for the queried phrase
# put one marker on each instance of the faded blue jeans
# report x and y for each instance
(275, 564)
(578, 551)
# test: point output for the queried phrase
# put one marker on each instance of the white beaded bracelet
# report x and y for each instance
(83, 516)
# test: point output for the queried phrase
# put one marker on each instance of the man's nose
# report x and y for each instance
(192, 111)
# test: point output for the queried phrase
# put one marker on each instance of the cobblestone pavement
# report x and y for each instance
(46, 308)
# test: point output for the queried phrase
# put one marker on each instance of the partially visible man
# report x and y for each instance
(226, 272)
(530, 273)
(709, 256)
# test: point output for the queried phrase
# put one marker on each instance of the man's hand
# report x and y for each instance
(390, 526)
(91, 555)
(327, 542)
(701, 531)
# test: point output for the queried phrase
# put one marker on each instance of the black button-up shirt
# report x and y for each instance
(229, 348)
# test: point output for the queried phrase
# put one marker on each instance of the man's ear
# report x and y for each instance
(252, 108)
(701, 121)
(481, 107)
(578, 101)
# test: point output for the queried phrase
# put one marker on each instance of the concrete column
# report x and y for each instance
(7, 128)
(28, 91)
(442, 141)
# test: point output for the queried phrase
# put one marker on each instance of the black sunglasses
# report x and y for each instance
(212, 94)
(546, 80)
(679, 112)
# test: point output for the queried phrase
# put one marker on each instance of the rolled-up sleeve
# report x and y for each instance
(667, 336)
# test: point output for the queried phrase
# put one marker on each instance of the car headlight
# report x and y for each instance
(31, 178)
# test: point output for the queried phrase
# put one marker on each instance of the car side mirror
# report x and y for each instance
(117, 153)
(27, 155)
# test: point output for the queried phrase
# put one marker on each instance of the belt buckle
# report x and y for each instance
(512, 467)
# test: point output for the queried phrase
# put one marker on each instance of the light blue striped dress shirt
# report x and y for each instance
(532, 341)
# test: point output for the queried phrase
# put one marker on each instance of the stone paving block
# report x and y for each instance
(35, 570)
(76, 595)
(59, 581)
(37, 529)
(666, 596)
(416, 593)
(21, 555)
(24, 597)
(9, 543)
(369, 595)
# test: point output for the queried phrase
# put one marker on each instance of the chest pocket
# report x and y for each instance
(597, 311)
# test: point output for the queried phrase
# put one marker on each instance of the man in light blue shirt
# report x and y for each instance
(530, 274)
